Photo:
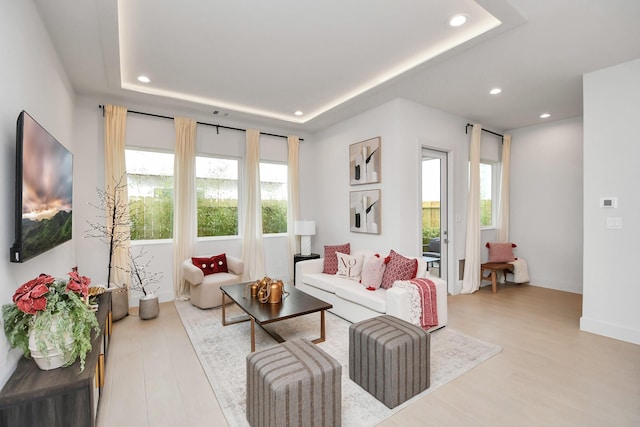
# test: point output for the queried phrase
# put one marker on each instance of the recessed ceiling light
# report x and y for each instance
(545, 115)
(495, 91)
(458, 20)
(144, 79)
(298, 113)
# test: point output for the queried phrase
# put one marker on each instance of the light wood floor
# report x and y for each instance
(548, 374)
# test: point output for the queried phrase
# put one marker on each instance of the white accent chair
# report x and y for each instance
(205, 290)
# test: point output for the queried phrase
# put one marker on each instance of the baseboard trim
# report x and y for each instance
(610, 330)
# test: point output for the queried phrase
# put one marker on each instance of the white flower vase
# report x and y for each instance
(52, 356)
(149, 307)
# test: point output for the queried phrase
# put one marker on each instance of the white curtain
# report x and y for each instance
(293, 196)
(503, 205)
(184, 210)
(252, 245)
(471, 279)
(115, 181)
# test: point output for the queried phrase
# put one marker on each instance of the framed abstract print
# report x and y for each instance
(364, 211)
(364, 162)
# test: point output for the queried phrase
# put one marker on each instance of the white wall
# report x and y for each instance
(611, 152)
(546, 171)
(404, 128)
(546, 202)
(31, 79)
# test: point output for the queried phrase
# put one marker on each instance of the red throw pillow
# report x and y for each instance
(501, 252)
(331, 259)
(212, 265)
(219, 263)
(398, 268)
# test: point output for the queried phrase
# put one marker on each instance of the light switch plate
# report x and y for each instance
(614, 222)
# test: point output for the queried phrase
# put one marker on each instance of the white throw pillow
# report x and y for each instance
(349, 266)
(372, 271)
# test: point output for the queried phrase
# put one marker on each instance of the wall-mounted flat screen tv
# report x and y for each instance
(44, 188)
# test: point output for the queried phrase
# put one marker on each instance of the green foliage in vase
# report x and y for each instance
(56, 312)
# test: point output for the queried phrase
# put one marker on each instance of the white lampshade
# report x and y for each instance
(305, 228)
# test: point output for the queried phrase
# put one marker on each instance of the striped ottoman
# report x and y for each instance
(293, 384)
(389, 358)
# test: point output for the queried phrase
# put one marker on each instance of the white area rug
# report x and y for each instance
(222, 352)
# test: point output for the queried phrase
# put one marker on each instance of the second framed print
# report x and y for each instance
(364, 210)
(364, 162)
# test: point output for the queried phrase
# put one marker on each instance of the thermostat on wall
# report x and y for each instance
(608, 202)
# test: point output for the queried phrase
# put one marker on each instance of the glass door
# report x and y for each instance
(434, 211)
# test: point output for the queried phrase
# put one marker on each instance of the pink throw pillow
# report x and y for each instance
(372, 271)
(331, 259)
(398, 268)
(501, 252)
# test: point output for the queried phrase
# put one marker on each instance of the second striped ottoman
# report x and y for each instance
(389, 358)
(294, 383)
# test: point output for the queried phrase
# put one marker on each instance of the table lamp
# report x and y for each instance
(305, 229)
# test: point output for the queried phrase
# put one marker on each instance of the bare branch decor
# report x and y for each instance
(112, 228)
(117, 210)
(141, 275)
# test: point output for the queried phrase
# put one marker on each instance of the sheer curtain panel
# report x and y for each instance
(503, 205)
(115, 182)
(252, 245)
(184, 210)
(471, 278)
(293, 196)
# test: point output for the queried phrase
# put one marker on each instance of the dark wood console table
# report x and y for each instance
(60, 397)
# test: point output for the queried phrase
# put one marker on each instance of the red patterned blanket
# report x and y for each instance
(422, 294)
(427, 291)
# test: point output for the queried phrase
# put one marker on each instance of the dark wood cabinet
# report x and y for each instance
(60, 397)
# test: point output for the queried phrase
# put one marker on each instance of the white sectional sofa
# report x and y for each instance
(354, 302)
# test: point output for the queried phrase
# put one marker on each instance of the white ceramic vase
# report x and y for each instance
(53, 356)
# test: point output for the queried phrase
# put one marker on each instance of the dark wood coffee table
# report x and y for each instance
(297, 303)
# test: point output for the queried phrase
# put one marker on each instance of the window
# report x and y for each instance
(150, 187)
(273, 190)
(217, 196)
(487, 191)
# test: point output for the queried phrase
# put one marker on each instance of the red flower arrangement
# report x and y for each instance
(78, 284)
(30, 297)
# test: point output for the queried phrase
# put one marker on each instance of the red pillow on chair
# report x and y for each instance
(212, 265)
(501, 252)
